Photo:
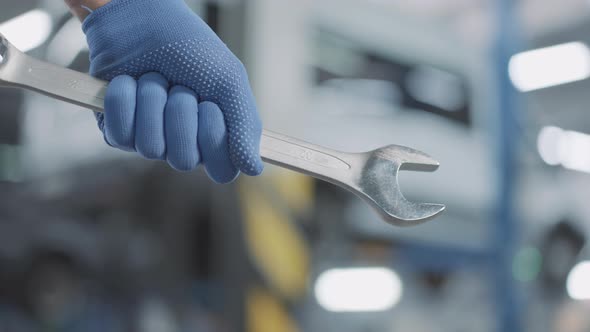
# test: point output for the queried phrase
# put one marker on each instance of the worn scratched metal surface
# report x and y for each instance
(370, 175)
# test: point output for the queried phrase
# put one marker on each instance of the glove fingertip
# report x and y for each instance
(184, 166)
(254, 168)
(100, 123)
(213, 142)
(245, 153)
(222, 178)
(119, 115)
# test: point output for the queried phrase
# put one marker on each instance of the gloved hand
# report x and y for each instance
(177, 92)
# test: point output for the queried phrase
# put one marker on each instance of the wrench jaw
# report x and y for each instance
(379, 185)
(5, 49)
(9, 63)
(408, 159)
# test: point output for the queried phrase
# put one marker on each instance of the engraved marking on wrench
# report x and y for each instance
(79, 85)
(300, 152)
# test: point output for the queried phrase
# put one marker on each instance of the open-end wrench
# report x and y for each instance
(371, 175)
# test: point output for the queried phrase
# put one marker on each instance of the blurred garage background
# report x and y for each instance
(92, 239)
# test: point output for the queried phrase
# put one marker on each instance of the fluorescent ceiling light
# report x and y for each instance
(358, 289)
(548, 145)
(29, 30)
(574, 151)
(567, 148)
(550, 66)
(578, 281)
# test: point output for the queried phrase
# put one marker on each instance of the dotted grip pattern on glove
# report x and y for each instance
(131, 37)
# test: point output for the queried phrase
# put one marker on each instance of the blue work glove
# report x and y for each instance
(177, 93)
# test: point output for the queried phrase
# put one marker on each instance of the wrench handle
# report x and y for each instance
(86, 91)
(317, 161)
(57, 82)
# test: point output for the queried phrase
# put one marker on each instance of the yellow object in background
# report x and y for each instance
(297, 190)
(266, 314)
(276, 245)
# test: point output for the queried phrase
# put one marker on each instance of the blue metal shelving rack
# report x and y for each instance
(506, 114)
